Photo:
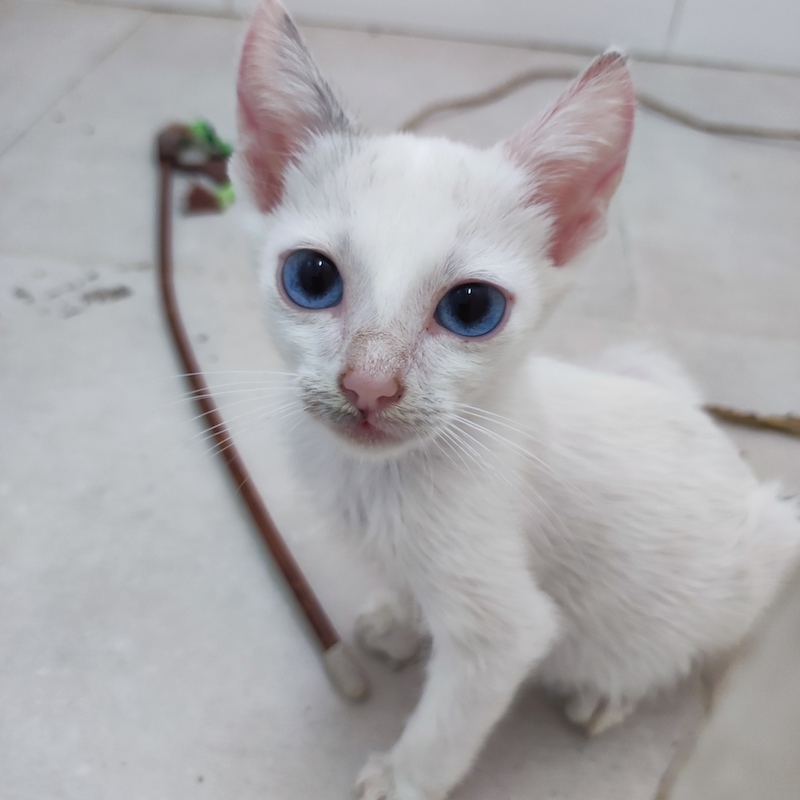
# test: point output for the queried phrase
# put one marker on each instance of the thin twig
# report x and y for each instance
(788, 423)
(513, 84)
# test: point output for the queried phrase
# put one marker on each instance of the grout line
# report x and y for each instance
(674, 23)
(74, 84)
(100, 263)
(228, 11)
(550, 47)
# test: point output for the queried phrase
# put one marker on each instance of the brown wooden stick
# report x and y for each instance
(788, 423)
(342, 670)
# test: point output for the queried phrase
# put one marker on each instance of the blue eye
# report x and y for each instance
(472, 309)
(311, 280)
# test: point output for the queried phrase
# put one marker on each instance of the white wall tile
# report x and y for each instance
(758, 32)
(747, 32)
(635, 24)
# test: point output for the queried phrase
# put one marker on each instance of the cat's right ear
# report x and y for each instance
(283, 102)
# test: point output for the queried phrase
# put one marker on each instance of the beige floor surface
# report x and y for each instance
(147, 651)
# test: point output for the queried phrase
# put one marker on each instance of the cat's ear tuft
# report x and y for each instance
(575, 155)
(283, 102)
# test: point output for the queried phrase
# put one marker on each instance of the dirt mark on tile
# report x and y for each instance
(107, 294)
(68, 298)
(23, 294)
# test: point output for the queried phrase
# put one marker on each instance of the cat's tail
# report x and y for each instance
(647, 362)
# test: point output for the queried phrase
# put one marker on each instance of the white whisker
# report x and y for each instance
(455, 447)
(537, 503)
(283, 412)
(224, 408)
(228, 423)
(498, 420)
(262, 372)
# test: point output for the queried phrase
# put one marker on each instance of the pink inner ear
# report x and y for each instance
(261, 142)
(265, 171)
(579, 209)
(575, 156)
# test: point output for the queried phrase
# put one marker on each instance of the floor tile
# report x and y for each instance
(760, 32)
(711, 231)
(724, 96)
(748, 748)
(83, 178)
(45, 49)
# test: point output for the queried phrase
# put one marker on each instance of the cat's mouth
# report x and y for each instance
(377, 431)
(366, 430)
(373, 432)
(369, 431)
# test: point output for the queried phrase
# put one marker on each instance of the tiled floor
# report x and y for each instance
(146, 649)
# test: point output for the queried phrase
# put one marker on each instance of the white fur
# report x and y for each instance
(594, 530)
(649, 363)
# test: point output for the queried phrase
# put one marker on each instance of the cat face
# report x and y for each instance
(404, 276)
(401, 279)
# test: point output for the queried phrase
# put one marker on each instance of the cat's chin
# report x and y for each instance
(368, 439)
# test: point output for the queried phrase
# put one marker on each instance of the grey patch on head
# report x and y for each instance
(328, 405)
(23, 294)
(70, 311)
(330, 109)
(107, 295)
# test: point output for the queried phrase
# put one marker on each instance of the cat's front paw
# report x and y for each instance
(595, 714)
(381, 632)
(377, 782)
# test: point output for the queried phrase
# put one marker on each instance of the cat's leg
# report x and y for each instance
(487, 640)
(596, 712)
(391, 628)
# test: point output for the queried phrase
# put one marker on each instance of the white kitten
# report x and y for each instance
(589, 528)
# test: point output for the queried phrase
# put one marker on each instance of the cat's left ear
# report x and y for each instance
(575, 155)
(283, 102)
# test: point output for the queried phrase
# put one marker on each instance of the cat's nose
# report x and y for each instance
(368, 393)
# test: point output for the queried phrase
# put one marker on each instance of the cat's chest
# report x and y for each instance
(381, 504)
(381, 501)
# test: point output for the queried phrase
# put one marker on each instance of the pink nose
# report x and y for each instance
(368, 393)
